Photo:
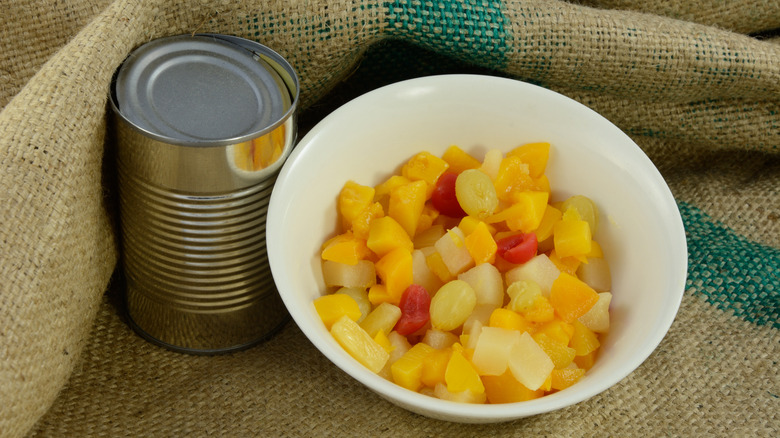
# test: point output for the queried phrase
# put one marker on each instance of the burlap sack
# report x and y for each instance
(700, 98)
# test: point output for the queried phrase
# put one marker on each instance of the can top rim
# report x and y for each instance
(204, 90)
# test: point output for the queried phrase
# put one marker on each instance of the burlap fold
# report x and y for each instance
(684, 79)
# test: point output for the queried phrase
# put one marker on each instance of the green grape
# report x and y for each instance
(476, 194)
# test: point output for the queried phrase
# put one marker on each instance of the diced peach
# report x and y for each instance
(332, 307)
(386, 234)
(362, 223)
(345, 248)
(560, 353)
(480, 244)
(460, 375)
(407, 371)
(585, 362)
(434, 367)
(406, 205)
(562, 379)
(436, 265)
(427, 217)
(429, 237)
(583, 341)
(377, 294)
(353, 198)
(513, 175)
(424, 167)
(360, 295)
(557, 330)
(507, 319)
(568, 265)
(395, 271)
(506, 389)
(535, 155)
(550, 216)
(572, 237)
(571, 297)
(388, 185)
(459, 160)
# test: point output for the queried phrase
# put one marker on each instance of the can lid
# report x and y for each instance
(200, 88)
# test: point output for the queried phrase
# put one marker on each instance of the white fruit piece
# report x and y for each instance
(529, 363)
(492, 350)
(473, 334)
(362, 274)
(422, 274)
(487, 282)
(452, 249)
(492, 163)
(539, 269)
(596, 274)
(597, 318)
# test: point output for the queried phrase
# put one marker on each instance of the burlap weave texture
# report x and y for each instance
(695, 83)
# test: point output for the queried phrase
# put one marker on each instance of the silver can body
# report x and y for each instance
(204, 124)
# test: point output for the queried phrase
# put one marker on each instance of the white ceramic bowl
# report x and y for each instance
(368, 139)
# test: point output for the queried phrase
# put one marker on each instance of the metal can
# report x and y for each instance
(203, 125)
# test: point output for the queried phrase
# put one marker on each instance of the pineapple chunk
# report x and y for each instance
(439, 339)
(383, 318)
(422, 273)
(359, 344)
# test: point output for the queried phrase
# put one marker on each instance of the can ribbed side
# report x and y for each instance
(196, 265)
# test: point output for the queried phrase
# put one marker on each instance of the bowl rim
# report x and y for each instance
(447, 409)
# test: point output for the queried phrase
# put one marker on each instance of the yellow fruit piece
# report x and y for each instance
(382, 319)
(506, 389)
(459, 160)
(386, 234)
(427, 217)
(353, 198)
(395, 271)
(561, 354)
(406, 205)
(469, 223)
(542, 184)
(586, 209)
(332, 307)
(407, 371)
(434, 367)
(595, 251)
(525, 213)
(428, 238)
(572, 237)
(481, 245)
(507, 319)
(382, 339)
(436, 265)
(513, 175)
(377, 294)
(565, 264)
(550, 216)
(540, 311)
(562, 379)
(535, 155)
(362, 223)
(583, 341)
(557, 330)
(424, 167)
(345, 248)
(388, 185)
(460, 375)
(359, 344)
(585, 362)
(571, 297)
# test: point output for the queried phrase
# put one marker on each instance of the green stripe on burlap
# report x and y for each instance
(731, 272)
(472, 30)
